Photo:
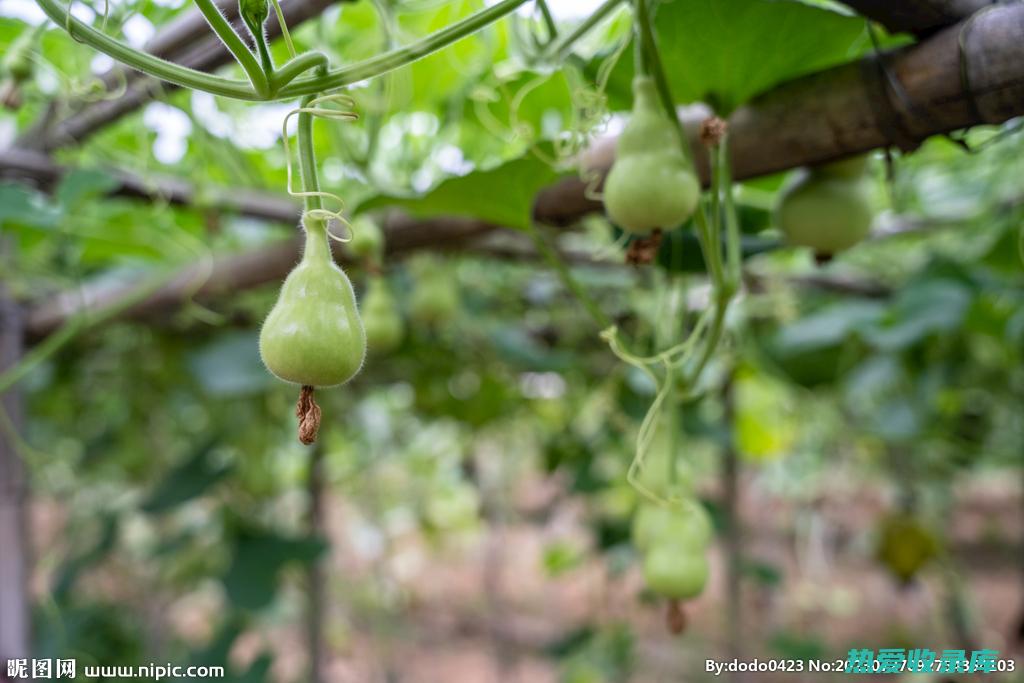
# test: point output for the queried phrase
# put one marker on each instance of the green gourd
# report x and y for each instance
(17, 61)
(675, 573)
(313, 336)
(651, 184)
(367, 243)
(381, 319)
(686, 524)
(905, 545)
(827, 208)
(435, 299)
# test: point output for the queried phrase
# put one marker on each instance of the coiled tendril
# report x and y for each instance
(316, 108)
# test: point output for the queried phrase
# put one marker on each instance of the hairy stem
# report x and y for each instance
(648, 48)
(236, 46)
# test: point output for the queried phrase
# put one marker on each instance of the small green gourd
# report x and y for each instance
(651, 185)
(827, 208)
(381, 318)
(686, 523)
(367, 243)
(314, 336)
(435, 298)
(675, 572)
(17, 61)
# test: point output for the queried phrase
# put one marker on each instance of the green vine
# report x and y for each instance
(285, 83)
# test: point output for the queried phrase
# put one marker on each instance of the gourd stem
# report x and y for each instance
(389, 61)
(317, 246)
(560, 48)
(549, 20)
(293, 68)
(234, 43)
(147, 63)
(260, 39)
(240, 90)
(640, 58)
(307, 158)
(647, 47)
(733, 248)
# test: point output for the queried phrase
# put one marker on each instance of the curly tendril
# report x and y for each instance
(670, 360)
(315, 108)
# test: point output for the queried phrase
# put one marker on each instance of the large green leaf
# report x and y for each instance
(502, 195)
(921, 310)
(190, 480)
(81, 184)
(251, 580)
(725, 52)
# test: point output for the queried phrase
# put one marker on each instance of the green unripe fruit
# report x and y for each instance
(381, 319)
(851, 168)
(650, 184)
(367, 243)
(674, 574)
(687, 525)
(905, 546)
(313, 336)
(434, 300)
(825, 210)
(17, 62)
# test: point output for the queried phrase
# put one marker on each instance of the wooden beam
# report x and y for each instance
(238, 272)
(919, 17)
(41, 171)
(897, 100)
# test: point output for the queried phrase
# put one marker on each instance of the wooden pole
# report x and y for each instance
(15, 625)
(316, 590)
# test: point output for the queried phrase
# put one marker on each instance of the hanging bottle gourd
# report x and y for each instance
(381, 318)
(827, 208)
(313, 336)
(673, 539)
(651, 185)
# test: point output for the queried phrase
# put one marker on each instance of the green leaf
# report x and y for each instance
(827, 327)
(230, 365)
(80, 184)
(190, 480)
(502, 195)
(251, 581)
(725, 52)
(21, 206)
(922, 309)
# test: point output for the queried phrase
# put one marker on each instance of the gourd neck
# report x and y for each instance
(645, 94)
(318, 248)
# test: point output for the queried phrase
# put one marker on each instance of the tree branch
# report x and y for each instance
(237, 272)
